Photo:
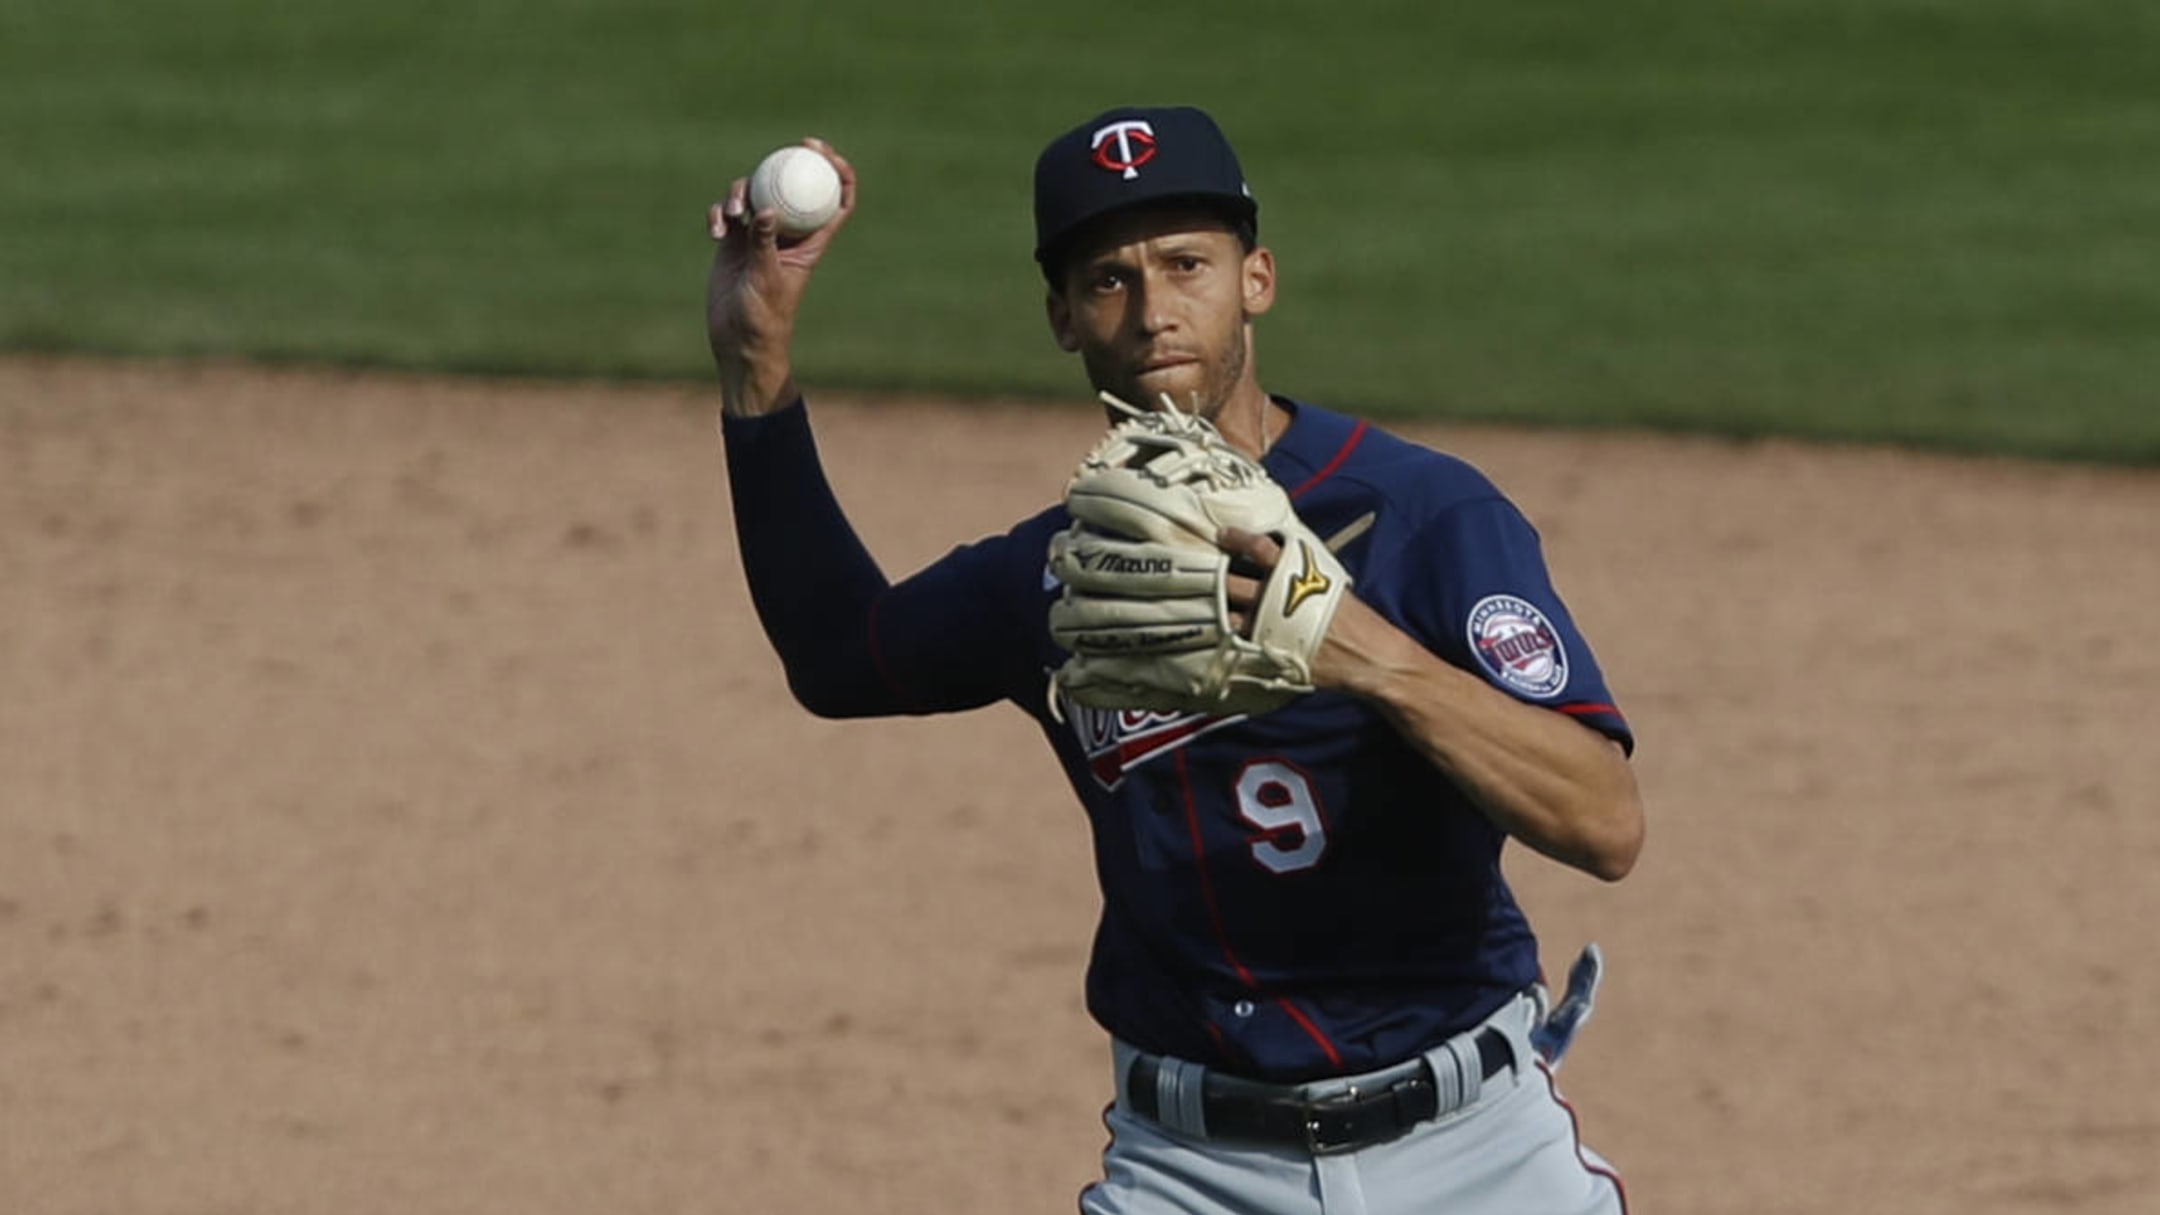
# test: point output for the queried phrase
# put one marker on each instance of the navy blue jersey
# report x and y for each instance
(1285, 896)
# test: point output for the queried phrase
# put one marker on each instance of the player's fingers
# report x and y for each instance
(841, 166)
(764, 237)
(1261, 550)
(814, 243)
(1240, 591)
(727, 215)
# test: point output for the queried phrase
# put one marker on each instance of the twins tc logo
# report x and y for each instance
(1122, 147)
(1513, 640)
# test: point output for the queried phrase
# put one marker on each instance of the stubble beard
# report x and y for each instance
(1208, 399)
(1233, 371)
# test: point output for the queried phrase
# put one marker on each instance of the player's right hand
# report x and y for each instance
(755, 289)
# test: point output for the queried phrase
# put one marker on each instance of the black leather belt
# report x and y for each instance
(1254, 1112)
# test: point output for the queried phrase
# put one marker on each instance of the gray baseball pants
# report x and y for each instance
(1512, 1149)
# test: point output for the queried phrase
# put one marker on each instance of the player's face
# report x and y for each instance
(1159, 302)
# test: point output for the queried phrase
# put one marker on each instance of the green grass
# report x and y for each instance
(1919, 221)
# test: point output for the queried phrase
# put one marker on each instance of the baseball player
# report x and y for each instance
(1320, 993)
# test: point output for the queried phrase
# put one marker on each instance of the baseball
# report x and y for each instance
(801, 185)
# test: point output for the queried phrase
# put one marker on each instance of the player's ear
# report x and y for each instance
(1061, 320)
(1259, 272)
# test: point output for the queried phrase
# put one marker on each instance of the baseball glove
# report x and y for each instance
(1144, 613)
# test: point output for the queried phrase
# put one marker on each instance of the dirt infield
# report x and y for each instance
(400, 811)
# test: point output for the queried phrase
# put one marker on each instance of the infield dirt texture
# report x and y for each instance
(403, 813)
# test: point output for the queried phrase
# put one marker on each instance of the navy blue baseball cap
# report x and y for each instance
(1135, 154)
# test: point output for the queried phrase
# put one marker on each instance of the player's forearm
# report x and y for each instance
(757, 386)
(1549, 781)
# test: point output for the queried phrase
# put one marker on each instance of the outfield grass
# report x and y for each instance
(1925, 221)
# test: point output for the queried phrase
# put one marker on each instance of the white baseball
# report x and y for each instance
(801, 185)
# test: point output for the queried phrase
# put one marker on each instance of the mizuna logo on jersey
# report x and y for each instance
(1116, 741)
(1308, 583)
(1122, 147)
(1518, 646)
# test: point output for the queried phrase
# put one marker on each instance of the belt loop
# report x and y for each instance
(1458, 1073)
(1447, 1078)
(1180, 1092)
(1470, 1065)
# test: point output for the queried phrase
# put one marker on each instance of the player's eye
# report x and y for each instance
(1187, 263)
(1106, 281)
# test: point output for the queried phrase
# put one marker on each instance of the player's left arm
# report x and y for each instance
(1552, 782)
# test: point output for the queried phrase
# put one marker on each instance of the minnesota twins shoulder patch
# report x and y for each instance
(1518, 646)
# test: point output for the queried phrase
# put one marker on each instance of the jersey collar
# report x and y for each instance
(1313, 447)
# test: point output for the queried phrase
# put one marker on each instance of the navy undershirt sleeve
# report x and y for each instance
(853, 644)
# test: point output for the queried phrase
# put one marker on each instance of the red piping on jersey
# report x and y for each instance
(1207, 884)
(1552, 1086)
(877, 652)
(1357, 433)
(1306, 1023)
(1588, 710)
